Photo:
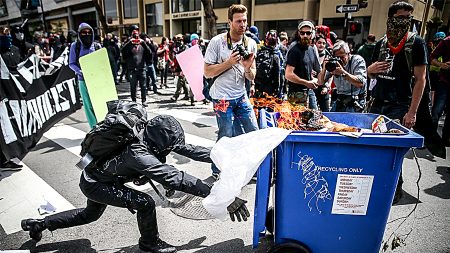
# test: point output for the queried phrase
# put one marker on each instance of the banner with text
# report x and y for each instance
(33, 98)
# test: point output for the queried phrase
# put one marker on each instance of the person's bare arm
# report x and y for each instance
(409, 120)
(292, 77)
(213, 70)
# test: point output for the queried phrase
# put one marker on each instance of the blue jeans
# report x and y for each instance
(441, 101)
(151, 74)
(232, 117)
(312, 99)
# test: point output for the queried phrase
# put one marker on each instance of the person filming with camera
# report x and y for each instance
(350, 76)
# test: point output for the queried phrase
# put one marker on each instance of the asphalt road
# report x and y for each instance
(52, 160)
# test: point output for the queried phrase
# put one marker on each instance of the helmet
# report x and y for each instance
(132, 28)
(439, 36)
(271, 38)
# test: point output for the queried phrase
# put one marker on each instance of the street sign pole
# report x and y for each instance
(344, 34)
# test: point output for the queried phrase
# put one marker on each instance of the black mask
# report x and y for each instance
(86, 40)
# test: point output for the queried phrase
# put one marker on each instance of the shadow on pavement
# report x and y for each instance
(407, 199)
(441, 190)
(79, 245)
(421, 153)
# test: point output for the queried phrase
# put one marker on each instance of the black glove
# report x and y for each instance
(141, 181)
(238, 209)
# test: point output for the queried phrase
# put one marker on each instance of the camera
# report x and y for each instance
(242, 51)
(332, 64)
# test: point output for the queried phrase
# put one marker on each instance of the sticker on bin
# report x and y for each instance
(352, 194)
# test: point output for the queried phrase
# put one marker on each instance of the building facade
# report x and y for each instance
(59, 15)
(169, 17)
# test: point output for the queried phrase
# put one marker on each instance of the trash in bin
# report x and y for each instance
(332, 193)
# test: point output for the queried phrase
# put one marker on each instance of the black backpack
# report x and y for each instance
(267, 68)
(124, 123)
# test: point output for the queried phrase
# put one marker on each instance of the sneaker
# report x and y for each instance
(11, 165)
(185, 98)
(216, 176)
(173, 99)
(159, 246)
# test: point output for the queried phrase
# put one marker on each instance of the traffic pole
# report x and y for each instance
(344, 34)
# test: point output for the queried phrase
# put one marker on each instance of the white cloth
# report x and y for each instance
(238, 159)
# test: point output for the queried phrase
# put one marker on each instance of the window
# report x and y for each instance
(3, 9)
(154, 19)
(275, 1)
(130, 9)
(225, 3)
(186, 5)
(110, 9)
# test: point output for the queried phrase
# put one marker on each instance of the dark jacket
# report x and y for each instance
(135, 54)
(147, 157)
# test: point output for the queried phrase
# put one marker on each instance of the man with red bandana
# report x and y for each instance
(399, 89)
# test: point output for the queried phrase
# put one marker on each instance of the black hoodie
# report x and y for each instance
(146, 157)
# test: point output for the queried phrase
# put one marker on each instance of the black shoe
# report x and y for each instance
(398, 195)
(192, 101)
(173, 99)
(11, 165)
(35, 226)
(216, 176)
(159, 246)
(185, 98)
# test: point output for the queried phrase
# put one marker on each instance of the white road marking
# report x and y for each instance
(188, 116)
(23, 192)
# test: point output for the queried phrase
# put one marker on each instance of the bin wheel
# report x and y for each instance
(270, 220)
(290, 247)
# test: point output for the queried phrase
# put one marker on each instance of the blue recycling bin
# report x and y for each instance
(332, 193)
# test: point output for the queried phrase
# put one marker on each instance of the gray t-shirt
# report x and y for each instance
(231, 83)
(357, 68)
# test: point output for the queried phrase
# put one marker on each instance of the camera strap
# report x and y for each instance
(230, 44)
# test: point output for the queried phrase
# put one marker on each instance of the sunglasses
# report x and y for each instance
(86, 33)
(307, 33)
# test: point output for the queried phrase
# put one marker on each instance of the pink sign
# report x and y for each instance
(191, 63)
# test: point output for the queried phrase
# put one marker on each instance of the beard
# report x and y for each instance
(304, 42)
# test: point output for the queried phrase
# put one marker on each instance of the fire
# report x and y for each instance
(298, 117)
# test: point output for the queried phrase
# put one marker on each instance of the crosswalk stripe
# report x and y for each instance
(30, 190)
(22, 192)
(188, 116)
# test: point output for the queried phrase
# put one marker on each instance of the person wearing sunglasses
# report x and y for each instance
(300, 64)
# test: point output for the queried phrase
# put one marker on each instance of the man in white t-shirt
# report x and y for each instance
(229, 68)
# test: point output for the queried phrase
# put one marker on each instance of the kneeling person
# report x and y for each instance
(104, 186)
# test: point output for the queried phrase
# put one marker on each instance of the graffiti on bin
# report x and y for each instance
(316, 187)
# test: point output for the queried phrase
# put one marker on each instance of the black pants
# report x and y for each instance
(99, 196)
(138, 77)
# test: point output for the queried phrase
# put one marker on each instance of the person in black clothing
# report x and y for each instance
(135, 51)
(149, 60)
(300, 63)
(268, 67)
(402, 92)
(113, 50)
(11, 57)
(142, 159)
(18, 40)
